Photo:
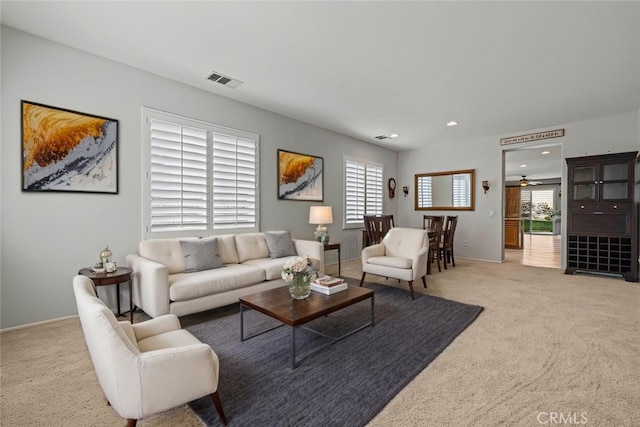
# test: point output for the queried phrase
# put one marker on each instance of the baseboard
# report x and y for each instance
(42, 322)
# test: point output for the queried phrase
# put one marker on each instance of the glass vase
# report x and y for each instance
(300, 287)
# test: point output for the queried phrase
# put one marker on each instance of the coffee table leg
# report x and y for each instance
(241, 322)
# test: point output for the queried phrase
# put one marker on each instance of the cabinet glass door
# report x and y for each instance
(615, 190)
(584, 174)
(615, 172)
(584, 178)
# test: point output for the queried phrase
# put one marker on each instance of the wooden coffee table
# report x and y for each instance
(278, 304)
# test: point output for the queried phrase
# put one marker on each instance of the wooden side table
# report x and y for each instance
(331, 247)
(121, 275)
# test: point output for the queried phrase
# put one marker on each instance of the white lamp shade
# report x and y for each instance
(320, 215)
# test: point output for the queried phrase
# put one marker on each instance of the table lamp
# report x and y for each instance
(321, 215)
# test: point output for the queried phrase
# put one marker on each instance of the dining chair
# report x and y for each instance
(433, 224)
(377, 227)
(446, 246)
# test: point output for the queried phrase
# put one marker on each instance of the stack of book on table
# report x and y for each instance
(328, 285)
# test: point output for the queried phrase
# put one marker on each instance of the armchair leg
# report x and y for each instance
(411, 289)
(424, 281)
(216, 401)
(131, 422)
(362, 280)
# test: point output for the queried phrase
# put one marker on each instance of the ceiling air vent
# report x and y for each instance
(381, 137)
(224, 80)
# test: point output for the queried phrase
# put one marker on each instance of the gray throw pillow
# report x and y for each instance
(279, 244)
(201, 254)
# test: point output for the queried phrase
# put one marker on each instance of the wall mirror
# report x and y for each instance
(452, 190)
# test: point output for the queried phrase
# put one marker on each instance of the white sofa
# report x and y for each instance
(161, 285)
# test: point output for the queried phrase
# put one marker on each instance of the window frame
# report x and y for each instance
(149, 114)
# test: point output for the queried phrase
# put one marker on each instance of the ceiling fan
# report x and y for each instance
(524, 182)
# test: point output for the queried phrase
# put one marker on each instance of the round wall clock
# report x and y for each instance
(392, 188)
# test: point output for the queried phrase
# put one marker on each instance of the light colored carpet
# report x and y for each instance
(545, 343)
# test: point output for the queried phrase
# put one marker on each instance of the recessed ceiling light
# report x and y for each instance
(394, 135)
(546, 152)
(523, 166)
(452, 123)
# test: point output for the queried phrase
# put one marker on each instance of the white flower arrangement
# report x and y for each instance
(299, 267)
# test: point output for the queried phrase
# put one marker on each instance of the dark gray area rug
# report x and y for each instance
(345, 384)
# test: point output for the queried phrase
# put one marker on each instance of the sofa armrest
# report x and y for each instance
(150, 285)
(157, 326)
(371, 251)
(314, 249)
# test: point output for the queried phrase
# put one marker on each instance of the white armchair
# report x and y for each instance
(401, 255)
(148, 367)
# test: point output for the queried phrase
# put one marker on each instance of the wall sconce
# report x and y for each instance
(485, 185)
(405, 190)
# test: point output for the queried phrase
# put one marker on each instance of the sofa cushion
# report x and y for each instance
(171, 339)
(271, 266)
(201, 254)
(186, 286)
(391, 261)
(251, 246)
(164, 251)
(279, 244)
(404, 242)
(227, 249)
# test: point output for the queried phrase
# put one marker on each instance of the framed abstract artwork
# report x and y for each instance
(65, 150)
(300, 176)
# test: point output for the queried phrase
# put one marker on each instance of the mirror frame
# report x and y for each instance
(446, 208)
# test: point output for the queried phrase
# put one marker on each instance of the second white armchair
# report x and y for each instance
(401, 255)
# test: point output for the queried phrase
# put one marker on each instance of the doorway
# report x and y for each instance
(536, 173)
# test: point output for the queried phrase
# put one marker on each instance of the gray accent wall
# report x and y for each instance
(48, 236)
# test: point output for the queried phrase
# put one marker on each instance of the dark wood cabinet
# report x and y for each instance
(602, 215)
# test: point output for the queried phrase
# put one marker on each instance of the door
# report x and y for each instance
(512, 222)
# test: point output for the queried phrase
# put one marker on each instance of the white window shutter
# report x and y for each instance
(179, 196)
(234, 182)
(202, 178)
(363, 190)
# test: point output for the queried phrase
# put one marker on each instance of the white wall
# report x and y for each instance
(48, 237)
(484, 233)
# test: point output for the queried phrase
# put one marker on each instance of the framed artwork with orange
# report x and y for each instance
(300, 176)
(65, 150)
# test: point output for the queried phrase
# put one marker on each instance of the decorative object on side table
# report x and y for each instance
(321, 215)
(105, 261)
(299, 274)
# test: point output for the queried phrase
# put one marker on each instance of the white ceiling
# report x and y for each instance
(375, 68)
